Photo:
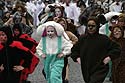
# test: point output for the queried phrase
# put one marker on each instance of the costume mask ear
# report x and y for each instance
(109, 15)
(49, 8)
(41, 29)
(58, 27)
(102, 19)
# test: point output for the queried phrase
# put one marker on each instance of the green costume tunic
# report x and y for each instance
(108, 34)
(52, 64)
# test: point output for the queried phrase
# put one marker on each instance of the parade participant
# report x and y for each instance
(24, 38)
(74, 39)
(116, 6)
(60, 13)
(118, 65)
(94, 51)
(14, 58)
(53, 47)
(28, 42)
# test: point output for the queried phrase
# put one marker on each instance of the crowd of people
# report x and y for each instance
(91, 32)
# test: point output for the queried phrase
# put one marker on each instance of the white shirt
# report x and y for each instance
(115, 8)
(72, 12)
(52, 46)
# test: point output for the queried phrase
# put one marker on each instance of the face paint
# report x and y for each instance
(91, 27)
(3, 37)
(117, 32)
(51, 31)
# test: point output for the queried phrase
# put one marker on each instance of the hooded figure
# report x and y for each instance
(14, 58)
(8, 32)
(24, 38)
(53, 47)
(94, 51)
(28, 42)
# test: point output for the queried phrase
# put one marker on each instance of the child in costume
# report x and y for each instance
(53, 47)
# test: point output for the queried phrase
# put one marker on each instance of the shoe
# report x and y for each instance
(110, 79)
(66, 81)
(25, 81)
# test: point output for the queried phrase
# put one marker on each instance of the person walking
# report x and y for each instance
(118, 65)
(74, 39)
(14, 58)
(53, 47)
(93, 51)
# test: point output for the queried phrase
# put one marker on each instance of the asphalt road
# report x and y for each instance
(75, 75)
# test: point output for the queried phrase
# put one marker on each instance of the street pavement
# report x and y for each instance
(75, 75)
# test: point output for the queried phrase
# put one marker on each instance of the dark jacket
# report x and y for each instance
(12, 55)
(118, 67)
(92, 49)
(28, 42)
